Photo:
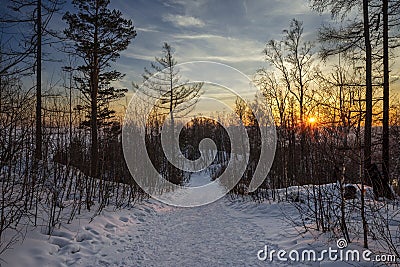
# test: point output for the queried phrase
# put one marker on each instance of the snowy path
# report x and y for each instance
(224, 233)
(205, 236)
(154, 234)
(212, 235)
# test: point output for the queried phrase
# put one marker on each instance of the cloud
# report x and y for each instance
(218, 48)
(233, 34)
(183, 21)
(143, 29)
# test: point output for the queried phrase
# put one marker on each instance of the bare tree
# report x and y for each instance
(293, 58)
(29, 12)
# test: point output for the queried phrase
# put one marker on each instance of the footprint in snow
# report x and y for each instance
(124, 219)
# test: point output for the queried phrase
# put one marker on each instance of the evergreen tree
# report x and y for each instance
(99, 35)
(173, 98)
(163, 82)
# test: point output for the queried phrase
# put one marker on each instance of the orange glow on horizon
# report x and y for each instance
(312, 120)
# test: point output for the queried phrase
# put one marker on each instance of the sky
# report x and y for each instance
(229, 32)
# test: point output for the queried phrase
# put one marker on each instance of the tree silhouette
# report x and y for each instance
(99, 35)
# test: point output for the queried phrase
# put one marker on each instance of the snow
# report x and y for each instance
(228, 232)
(198, 179)
(154, 234)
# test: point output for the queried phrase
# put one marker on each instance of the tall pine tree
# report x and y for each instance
(99, 35)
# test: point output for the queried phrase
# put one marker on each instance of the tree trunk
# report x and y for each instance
(385, 128)
(303, 173)
(368, 94)
(93, 114)
(94, 134)
(172, 176)
(368, 117)
(38, 145)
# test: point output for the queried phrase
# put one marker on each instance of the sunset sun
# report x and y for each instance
(312, 120)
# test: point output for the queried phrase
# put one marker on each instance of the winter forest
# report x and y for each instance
(89, 88)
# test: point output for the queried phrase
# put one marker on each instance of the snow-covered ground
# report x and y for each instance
(225, 233)
(153, 234)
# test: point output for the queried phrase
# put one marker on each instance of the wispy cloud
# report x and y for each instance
(183, 21)
(219, 48)
(233, 34)
(143, 29)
